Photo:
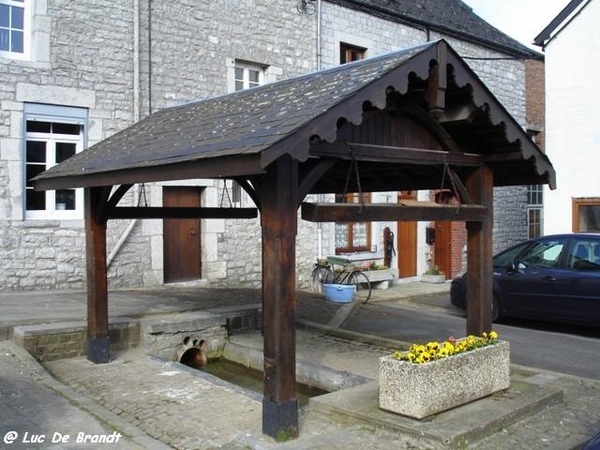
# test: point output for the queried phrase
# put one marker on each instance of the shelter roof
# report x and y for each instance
(240, 134)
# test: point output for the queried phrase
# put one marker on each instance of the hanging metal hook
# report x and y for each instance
(223, 192)
(354, 165)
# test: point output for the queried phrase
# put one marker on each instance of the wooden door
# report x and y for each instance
(443, 246)
(181, 237)
(407, 242)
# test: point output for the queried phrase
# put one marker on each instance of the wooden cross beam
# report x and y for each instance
(181, 213)
(406, 210)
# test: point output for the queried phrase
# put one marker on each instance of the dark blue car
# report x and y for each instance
(552, 278)
(593, 444)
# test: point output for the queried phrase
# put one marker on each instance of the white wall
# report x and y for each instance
(573, 116)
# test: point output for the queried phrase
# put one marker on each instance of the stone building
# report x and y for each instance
(74, 73)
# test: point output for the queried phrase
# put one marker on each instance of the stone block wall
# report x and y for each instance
(85, 57)
(49, 342)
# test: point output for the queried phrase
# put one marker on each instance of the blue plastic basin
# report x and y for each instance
(338, 293)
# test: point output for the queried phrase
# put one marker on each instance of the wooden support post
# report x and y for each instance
(279, 221)
(98, 341)
(479, 255)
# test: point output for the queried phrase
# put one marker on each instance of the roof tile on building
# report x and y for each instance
(450, 16)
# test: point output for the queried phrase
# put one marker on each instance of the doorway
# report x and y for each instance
(181, 237)
(407, 242)
(443, 247)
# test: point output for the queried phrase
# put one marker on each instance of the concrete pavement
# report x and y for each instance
(154, 403)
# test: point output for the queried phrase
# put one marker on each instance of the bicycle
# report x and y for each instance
(325, 272)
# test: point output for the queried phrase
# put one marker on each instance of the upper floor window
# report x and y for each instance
(49, 140)
(349, 53)
(14, 28)
(248, 76)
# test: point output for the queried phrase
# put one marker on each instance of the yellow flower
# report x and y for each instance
(432, 346)
(420, 354)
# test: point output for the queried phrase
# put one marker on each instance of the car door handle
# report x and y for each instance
(549, 278)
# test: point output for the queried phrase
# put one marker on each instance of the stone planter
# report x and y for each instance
(376, 276)
(420, 390)
(433, 278)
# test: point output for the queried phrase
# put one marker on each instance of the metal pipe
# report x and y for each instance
(319, 66)
(117, 248)
(319, 17)
(136, 61)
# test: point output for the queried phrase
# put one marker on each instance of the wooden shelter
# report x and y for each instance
(407, 119)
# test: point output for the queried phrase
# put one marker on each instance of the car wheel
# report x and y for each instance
(495, 309)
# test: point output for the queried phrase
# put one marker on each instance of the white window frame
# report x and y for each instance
(27, 30)
(238, 195)
(246, 68)
(535, 207)
(54, 114)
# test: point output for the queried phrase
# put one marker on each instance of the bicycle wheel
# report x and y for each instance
(321, 275)
(362, 284)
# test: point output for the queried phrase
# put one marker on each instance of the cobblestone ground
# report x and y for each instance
(188, 409)
(560, 427)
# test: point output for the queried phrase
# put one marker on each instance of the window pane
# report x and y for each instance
(239, 73)
(66, 128)
(585, 255)
(38, 127)
(4, 41)
(507, 257)
(359, 235)
(36, 152)
(34, 170)
(350, 53)
(17, 18)
(544, 254)
(534, 219)
(239, 85)
(4, 15)
(64, 150)
(35, 201)
(65, 199)
(341, 236)
(589, 218)
(254, 74)
(16, 42)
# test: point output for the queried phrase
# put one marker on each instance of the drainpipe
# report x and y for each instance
(149, 57)
(320, 197)
(136, 117)
(115, 251)
(136, 61)
(319, 16)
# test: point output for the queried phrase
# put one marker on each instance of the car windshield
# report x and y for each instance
(507, 257)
